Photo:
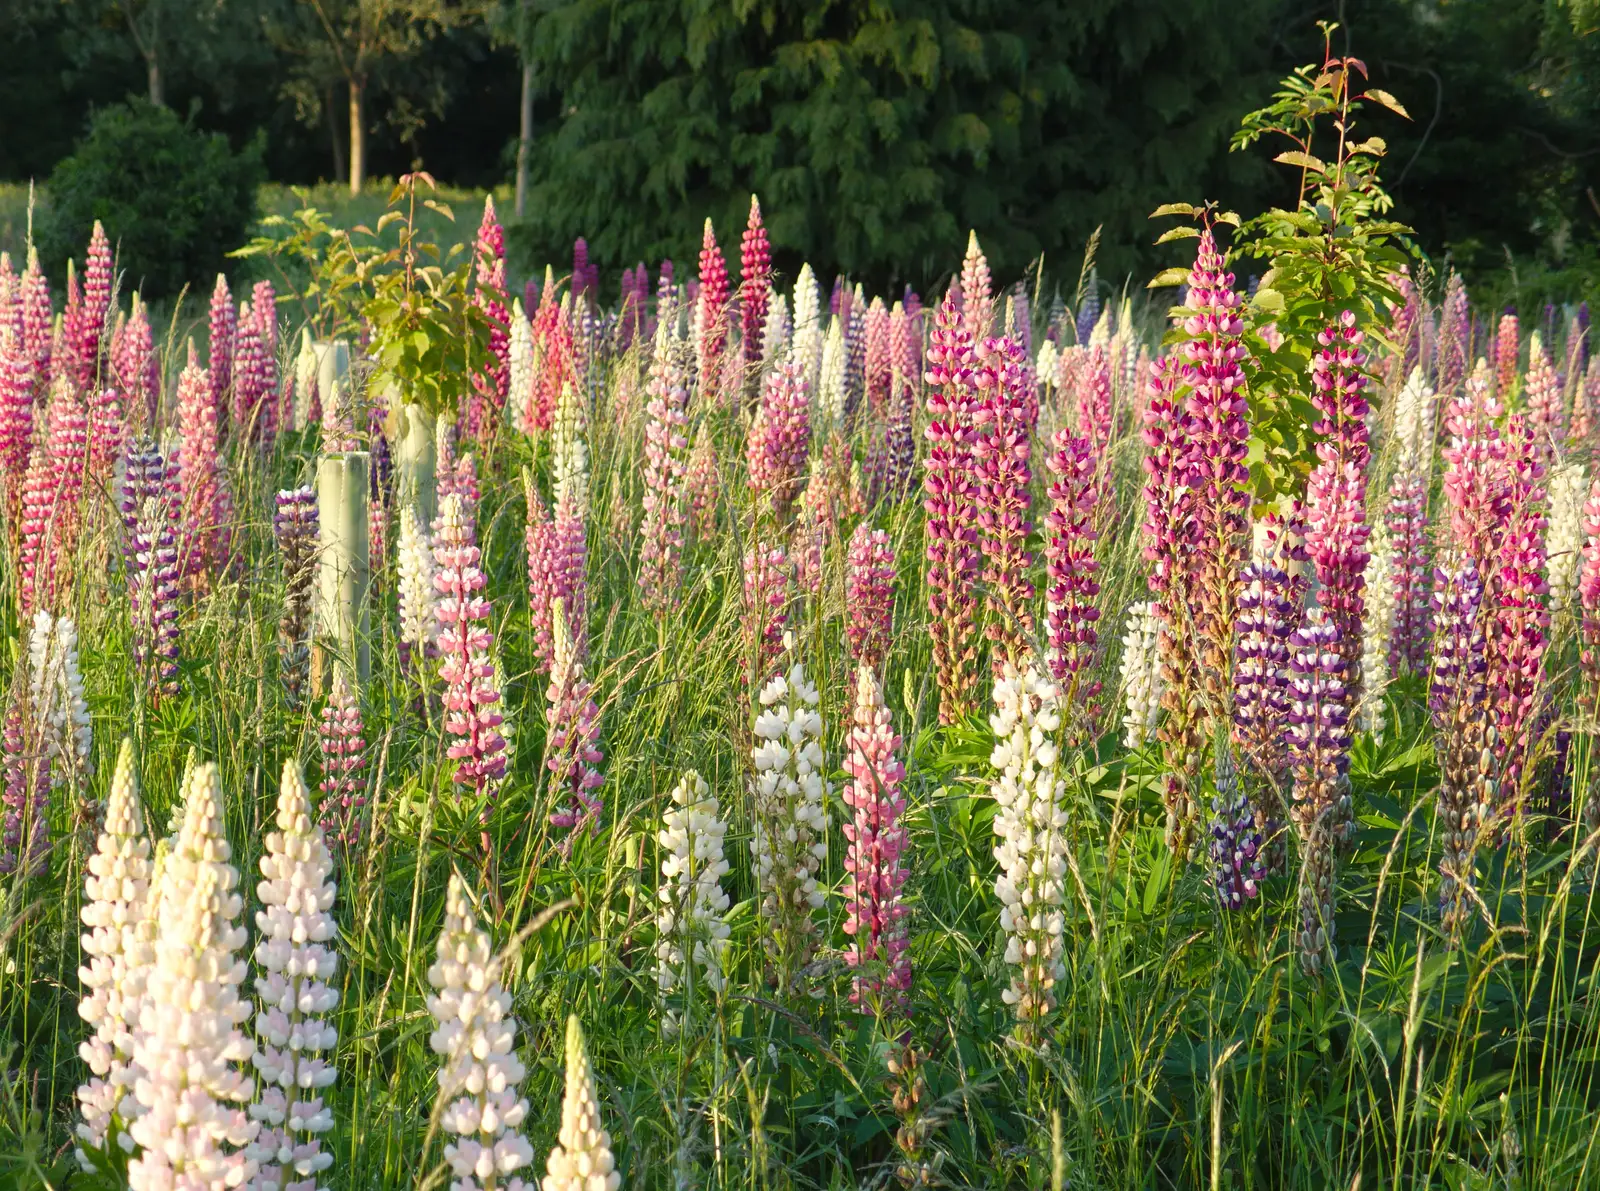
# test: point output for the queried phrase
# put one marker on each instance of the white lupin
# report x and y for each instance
(119, 946)
(305, 378)
(808, 334)
(1413, 415)
(1030, 826)
(1569, 489)
(830, 390)
(294, 964)
(1100, 336)
(570, 456)
(56, 689)
(582, 1159)
(690, 927)
(481, 1076)
(1377, 626)
(190, 1053)
(1142, 684)
(775, 331)
(1044, 364)
(790, 829)
(521, 363)
(416, 594)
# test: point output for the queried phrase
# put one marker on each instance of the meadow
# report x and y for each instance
(1035, 737)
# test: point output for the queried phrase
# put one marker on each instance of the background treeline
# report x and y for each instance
(875, 131)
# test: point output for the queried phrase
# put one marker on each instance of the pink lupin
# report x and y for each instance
(875, 854)
(869, 596)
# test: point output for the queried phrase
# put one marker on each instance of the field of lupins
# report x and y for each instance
(751, 735)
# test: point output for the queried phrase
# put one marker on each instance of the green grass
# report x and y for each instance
(1187, 1049)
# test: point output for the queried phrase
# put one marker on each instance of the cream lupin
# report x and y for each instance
(56, 688)
(119, 947)
(689, 925)
(1377, 623)
(808, 335)
(1569, 489)
(570, 457)
(522, 364)
(831, 386)
(416, 594)
(189, 1049)
(481, 1075)
(581, 1161)
(1142, 684)
(790, 839)
(294, 966)
(1031, 828)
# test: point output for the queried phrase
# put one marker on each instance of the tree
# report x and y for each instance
(352, 41)
(875, 136)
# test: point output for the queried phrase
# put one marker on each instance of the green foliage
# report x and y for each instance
(392, 277)
(1334, 251)
(876, 136)
(173, 199)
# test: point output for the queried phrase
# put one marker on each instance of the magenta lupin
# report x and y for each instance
(1071, 568)
(755, 291)
(1002, 449)
(951, 506)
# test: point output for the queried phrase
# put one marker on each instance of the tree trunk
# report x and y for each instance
(152, 66)
(358, 133)
(525, 143)
(333, 134)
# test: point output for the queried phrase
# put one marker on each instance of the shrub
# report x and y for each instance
(173, 199)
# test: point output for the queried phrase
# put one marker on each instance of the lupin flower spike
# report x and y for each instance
(711, 311)
(118, 948)
(1071, 567)
(874, 853)
(149, 508)
(869, 596)
(1319, 751)
(472, 716)
(666, 449)
(780, 439)
(1030, 826)
(193, 1129)
(295, 526)
(572, 752)
(582, 1160)
(295, 966)
(206, 508)
(951, 504)
(766, 603)
(790, 821)
(344, 757)
(1518, 635)
(755, 275)
(1141, 673)
(1002, 448)
(1459, 700)
(1236, 843)
(1215, 413)
(977, 297)
(1336, 526)
(1569, 488)
(416, 593)
(480, 1075)
(691, 936)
